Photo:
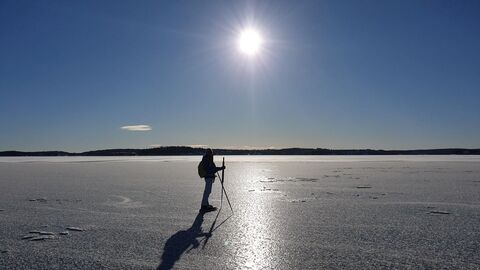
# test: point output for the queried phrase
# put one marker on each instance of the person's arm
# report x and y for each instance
(219, 168)
(213, 169)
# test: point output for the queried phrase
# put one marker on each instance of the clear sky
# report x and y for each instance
(333, 74)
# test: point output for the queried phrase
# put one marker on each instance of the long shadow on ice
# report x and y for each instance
(179, 243)
(213, 228)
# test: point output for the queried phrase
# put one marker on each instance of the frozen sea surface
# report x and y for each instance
(290, 212)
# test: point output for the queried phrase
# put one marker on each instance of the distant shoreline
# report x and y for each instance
(191, 151)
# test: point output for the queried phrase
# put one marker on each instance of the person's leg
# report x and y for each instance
(207, 191)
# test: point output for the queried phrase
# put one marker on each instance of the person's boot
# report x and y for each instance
(207, 208)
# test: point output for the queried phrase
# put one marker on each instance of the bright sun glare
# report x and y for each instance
(249, 41)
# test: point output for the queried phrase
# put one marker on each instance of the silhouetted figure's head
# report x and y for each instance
(209, 152)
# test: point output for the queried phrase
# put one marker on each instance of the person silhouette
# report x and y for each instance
(210, 170)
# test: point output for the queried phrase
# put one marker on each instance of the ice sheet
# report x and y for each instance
(291, 212)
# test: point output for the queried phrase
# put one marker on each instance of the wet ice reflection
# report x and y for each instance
(255, 245)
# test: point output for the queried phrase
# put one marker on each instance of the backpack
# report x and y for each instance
(201, 170)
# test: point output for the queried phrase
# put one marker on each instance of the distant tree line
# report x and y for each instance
(185, 150)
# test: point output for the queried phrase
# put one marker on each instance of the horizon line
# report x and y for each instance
(204, 147)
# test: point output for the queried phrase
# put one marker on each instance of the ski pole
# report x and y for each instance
(224, 191)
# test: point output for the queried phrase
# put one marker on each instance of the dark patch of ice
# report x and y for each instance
(267, 189)
(43, 200)
(76, 229)
(306, 179)
(42, 237)
(326, 176)
(290, 179)
(437, 212)
(364, 187)
(28, 236)
(64, 233)
(297, 201)
(46, 233)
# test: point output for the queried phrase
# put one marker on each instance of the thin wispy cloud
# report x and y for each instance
(137, 128)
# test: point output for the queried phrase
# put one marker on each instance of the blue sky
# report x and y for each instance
(334, 74)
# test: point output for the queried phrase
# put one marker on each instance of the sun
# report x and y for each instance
(249, 42)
